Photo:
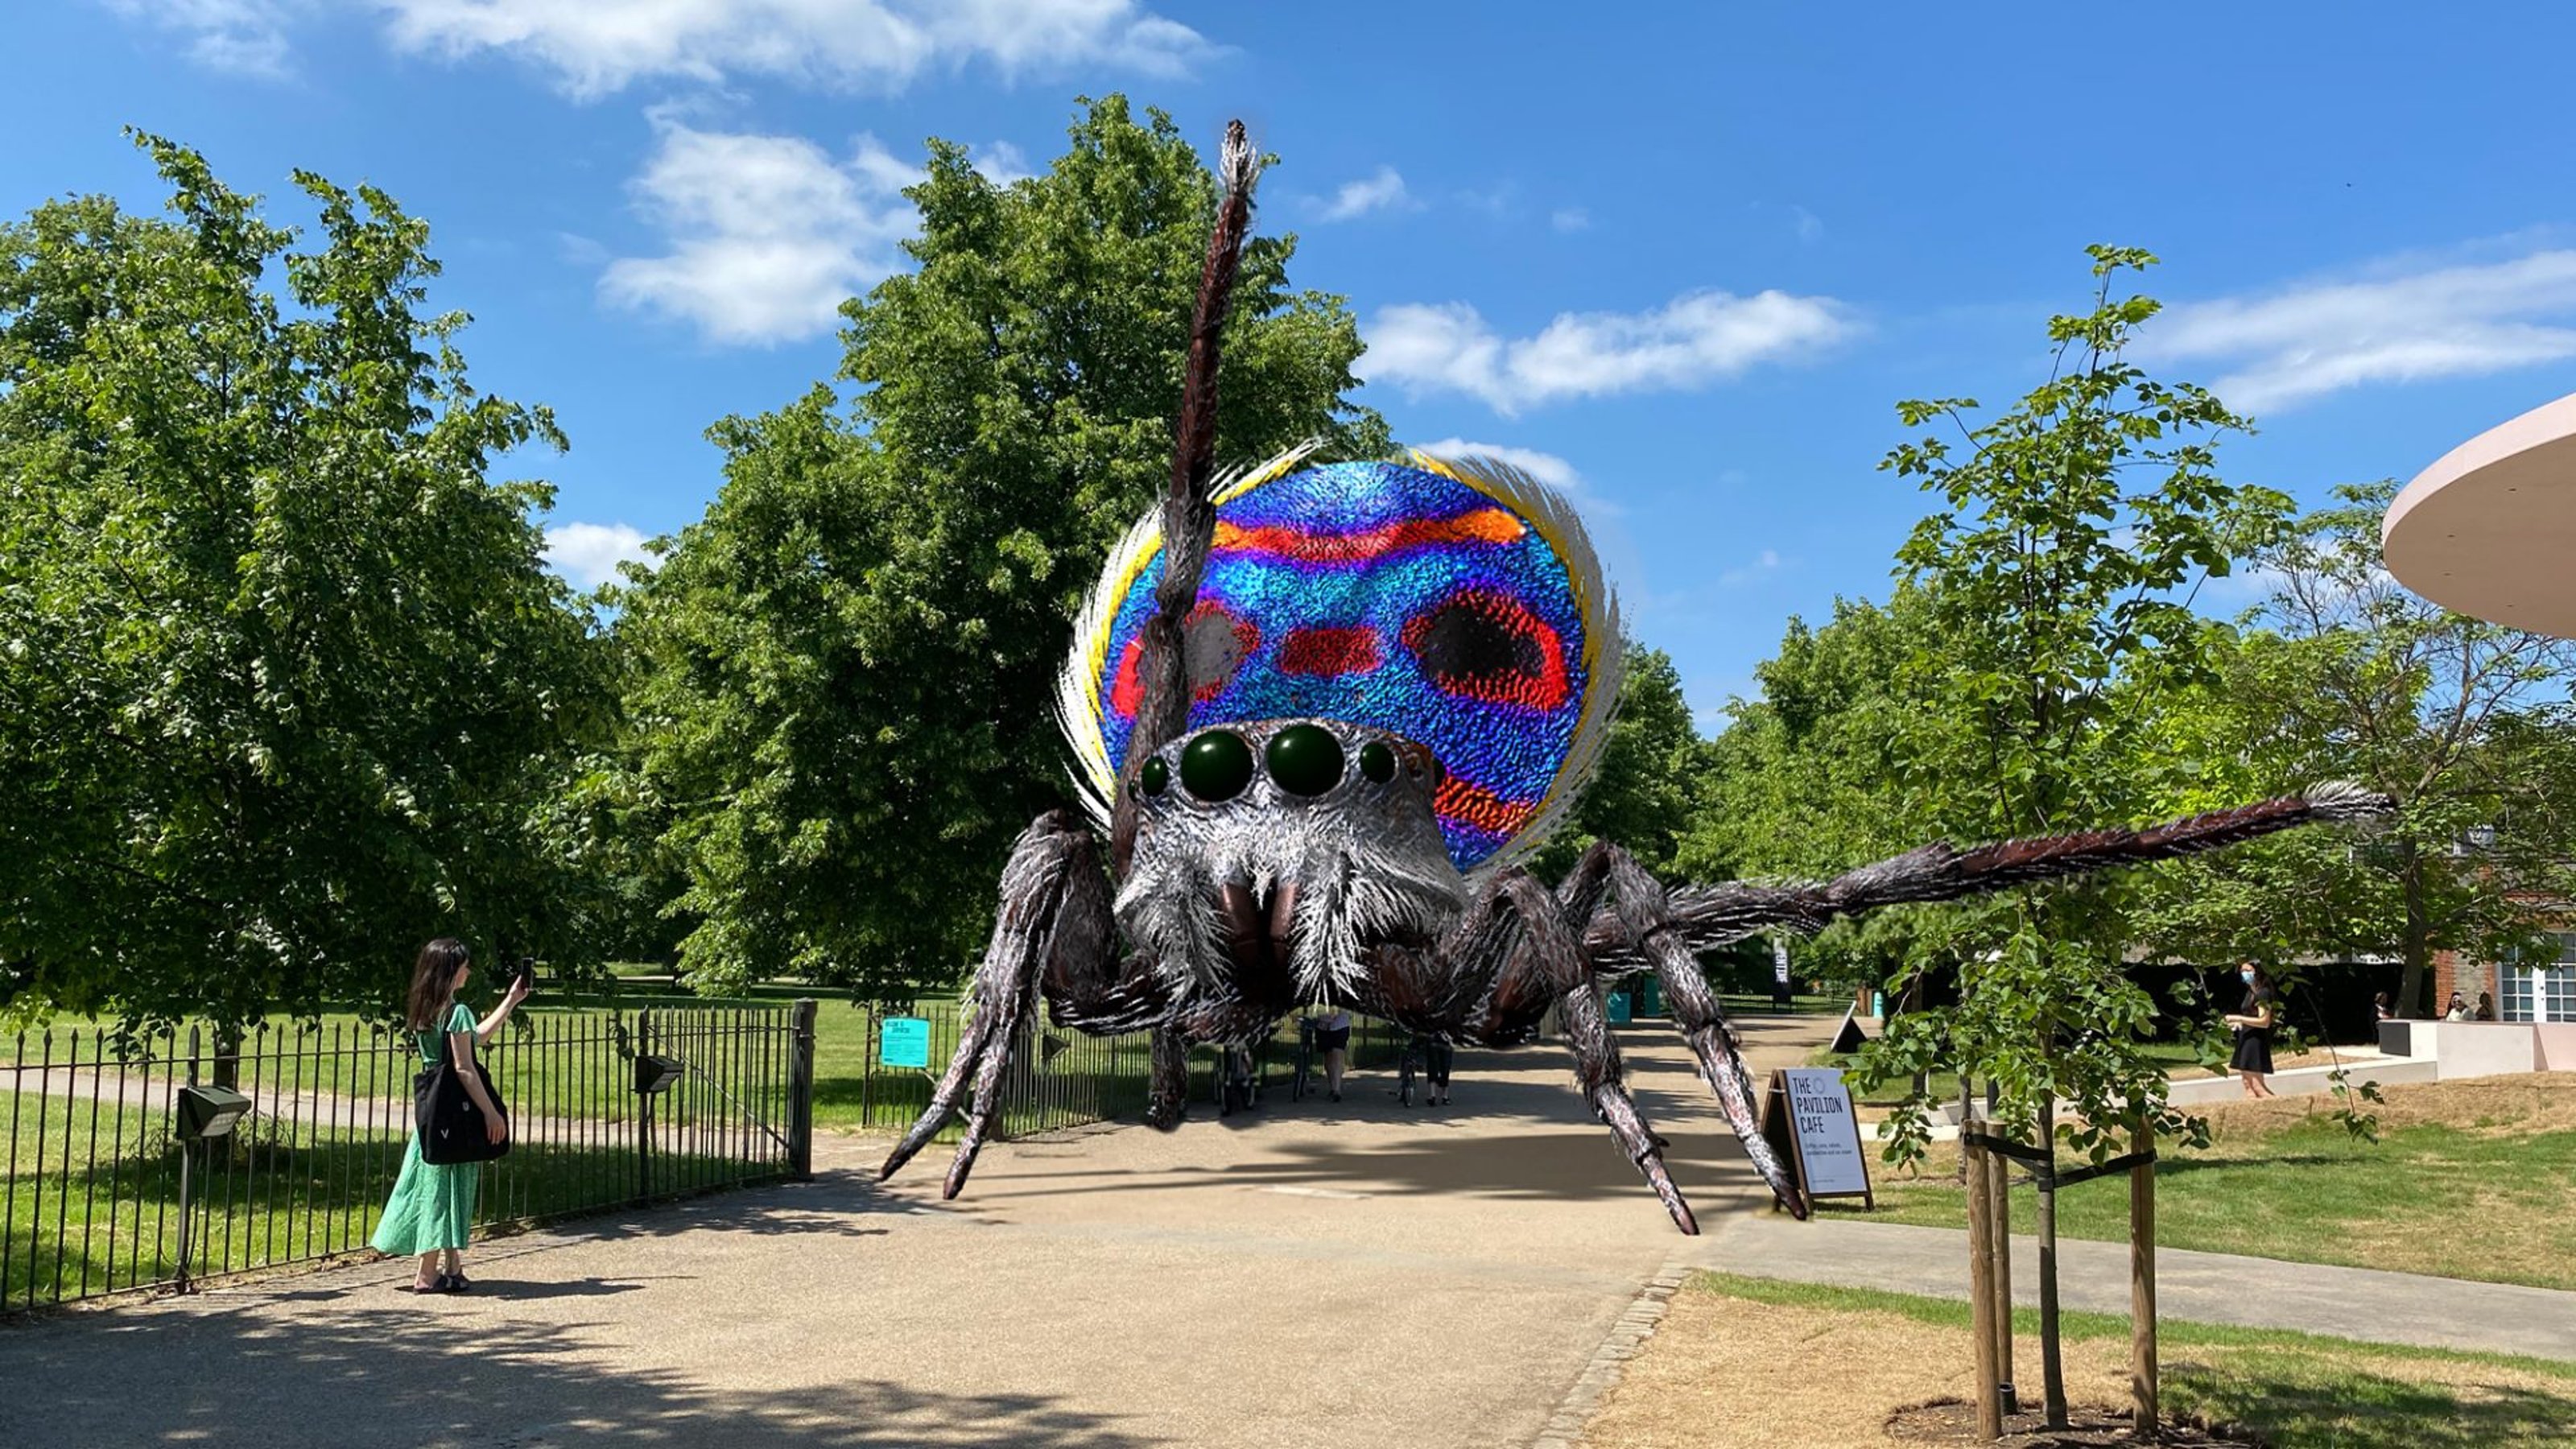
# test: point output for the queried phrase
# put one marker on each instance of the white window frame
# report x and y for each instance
(2539, 993)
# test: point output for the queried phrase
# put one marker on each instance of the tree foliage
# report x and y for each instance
(844, 697)
(2344, 674)
(1804, 781)
(2056, 573)
(1644, 796)
(284, 685)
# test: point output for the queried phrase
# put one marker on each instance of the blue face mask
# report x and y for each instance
(2246, 976)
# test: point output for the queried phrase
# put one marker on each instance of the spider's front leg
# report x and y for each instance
(1054, 925)
(1647, 920)
(1529, 945)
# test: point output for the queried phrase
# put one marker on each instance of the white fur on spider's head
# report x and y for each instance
(1365, 857)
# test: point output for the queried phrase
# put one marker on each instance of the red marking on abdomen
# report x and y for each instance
(1481, 525)
(1480, 807)
(1330, 651)
(1484, 645)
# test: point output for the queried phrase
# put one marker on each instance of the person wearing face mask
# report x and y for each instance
(2253, 1022)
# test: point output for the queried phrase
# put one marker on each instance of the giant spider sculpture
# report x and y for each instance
(1320, 711)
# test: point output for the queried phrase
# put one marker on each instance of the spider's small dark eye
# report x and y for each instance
(1155, 777)
(1216, 766)
(1377, 761)
(1305, 759)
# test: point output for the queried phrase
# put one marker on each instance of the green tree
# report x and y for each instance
(1803, 781)
(2345, 674)
(845, 704)
(1642, 797)
(2070, 534)
(284, 685)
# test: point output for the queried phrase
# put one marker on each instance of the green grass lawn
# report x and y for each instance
(2301, 1391)
(2473, 1179)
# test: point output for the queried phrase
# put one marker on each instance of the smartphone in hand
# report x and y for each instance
(526, 978)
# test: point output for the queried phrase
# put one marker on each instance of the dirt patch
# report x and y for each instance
(1725, 1373)
(1954, 1421)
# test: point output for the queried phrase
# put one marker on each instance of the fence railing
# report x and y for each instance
(1063, 1078)
(95, 1194)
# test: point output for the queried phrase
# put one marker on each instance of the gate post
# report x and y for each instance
(800, 1091)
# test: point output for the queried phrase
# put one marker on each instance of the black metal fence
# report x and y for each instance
(104, 1194)
(1062, 1078)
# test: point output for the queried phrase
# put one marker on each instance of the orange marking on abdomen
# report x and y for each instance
(1482, 525)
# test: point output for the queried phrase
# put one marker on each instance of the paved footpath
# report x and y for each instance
(2202, 1287)
(1354, 1274)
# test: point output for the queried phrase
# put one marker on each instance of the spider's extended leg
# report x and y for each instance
(1646, 917)
(1054, 923)
(1523, 939)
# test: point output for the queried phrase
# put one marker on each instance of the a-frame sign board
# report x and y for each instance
(1807, 1118)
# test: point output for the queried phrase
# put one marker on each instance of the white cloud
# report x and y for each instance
(769, 234)
(588, 553)
(1570, 218)
(1768, 561)
(1380, 192)
(2322, 337)
(243, 37)
(1693, 340)
(1001, 163)
(597, 47)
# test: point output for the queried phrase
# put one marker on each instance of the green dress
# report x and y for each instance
(433, 1204)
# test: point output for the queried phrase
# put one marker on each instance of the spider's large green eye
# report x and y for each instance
(1155, 777)
(1216, 766)
(1377, 761)
(1305, 759)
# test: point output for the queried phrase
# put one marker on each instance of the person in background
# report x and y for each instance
(2458, 1010)
(1437, 1055)
(2253, 1021)
(431, 1212)
(2486, 1007)
(1333, 1039)
(2380, 1004)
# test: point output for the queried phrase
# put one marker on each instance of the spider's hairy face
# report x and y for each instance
(1276, 854)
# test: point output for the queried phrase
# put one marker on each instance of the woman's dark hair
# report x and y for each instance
(433, 980)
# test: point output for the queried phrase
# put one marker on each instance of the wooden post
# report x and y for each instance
(2142, 1291)
(1981, 1282)
(2052, 1366)
(1999, 1192)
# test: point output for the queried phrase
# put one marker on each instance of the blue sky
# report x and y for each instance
(1685, 261)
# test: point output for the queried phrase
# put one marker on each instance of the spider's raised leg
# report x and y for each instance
(1528, 944)
(1054, 924)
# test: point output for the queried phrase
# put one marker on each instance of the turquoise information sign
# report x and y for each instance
(904, 1041)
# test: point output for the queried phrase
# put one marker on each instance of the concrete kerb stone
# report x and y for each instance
(1626, 1338)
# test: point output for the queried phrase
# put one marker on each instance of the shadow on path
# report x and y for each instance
(392, 1375)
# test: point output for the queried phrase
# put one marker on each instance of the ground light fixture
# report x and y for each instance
(655, 1075)
(209, 1112)
(204, 1113)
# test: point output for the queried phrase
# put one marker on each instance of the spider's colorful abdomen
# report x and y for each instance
(1455, 603)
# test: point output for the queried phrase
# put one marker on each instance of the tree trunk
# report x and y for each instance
(2414, 989)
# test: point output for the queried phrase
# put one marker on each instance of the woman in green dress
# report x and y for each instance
(432, 1210)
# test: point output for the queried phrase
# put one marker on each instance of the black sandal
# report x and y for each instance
(450, 1283)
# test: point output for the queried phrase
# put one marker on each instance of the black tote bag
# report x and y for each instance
(449, 1124)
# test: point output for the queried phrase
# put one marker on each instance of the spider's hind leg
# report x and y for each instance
(1516, 922)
